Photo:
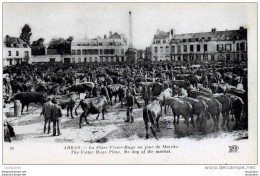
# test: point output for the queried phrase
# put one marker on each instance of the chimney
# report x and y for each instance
(130, 31)
(241, 28)
(110, 33)
(105, 36)
(213, 30)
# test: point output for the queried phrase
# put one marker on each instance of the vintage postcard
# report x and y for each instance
(129, 83)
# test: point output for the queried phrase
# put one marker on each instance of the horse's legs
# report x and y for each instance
(68, 109)
(103, 114)
(146, 129)
(71, 109)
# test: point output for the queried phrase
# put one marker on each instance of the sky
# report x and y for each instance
(81, 20)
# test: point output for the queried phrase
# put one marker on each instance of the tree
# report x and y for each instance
(26, 34)
(38, 47)
(61, 45)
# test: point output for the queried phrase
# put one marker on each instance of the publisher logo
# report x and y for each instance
(233, 149)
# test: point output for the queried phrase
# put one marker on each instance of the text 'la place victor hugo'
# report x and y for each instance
(124, 149)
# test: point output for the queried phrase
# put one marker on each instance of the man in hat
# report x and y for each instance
(55, 116)
(132, 91)
(129, 104)
(96, 90)
(46, 111)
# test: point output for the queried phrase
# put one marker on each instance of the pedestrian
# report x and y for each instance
(46, 111)
(56, 114)
(132, 91)
(129, 104)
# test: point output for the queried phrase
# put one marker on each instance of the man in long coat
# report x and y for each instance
(46, 111)
(55, 117)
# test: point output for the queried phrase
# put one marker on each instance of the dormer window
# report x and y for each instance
(196, 39)
(184, 40)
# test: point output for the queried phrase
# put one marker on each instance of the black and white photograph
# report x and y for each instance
(129, 83)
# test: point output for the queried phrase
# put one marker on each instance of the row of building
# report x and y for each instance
(207, 46)
(229, 45)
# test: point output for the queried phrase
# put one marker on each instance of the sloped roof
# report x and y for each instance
(161, 35)
(217, 35)
(14, 40)
(115, 36)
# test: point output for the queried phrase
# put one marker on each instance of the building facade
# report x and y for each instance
(160, 48)
(148, 53)
(15, 51)
(111, 49)
(50, 56)
(229, 45)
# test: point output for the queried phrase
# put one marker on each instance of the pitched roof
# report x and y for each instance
(217, 35)
(13, 40)
(115, 36)
(161, 35)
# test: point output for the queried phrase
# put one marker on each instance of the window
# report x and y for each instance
(220, 47)
(73, 60)
(179, 48)
(52, 60)
(228, 47)
(90, 59)
(79, 60)
(85, 59)
(158, 41)
(173, 49)
(237, 57)
(191, 48)
(155, 50)
(122, 51)
(184, 40)
(185, 48)
(161, 49)
(242, 46)
(26, 53)
(9, 53)
(242, 57)
(198, 48)
(189, 40)
(196, 39)
(164, 41)
(228, 57)
(205, 47)
(95, 59)
(84, 52)
(167, 49)
(73, 52)
(209, 38)
(237, 46)
(100, 51)
(78, 52)
(17, 53)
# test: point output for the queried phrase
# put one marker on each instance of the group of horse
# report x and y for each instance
(202, 93)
